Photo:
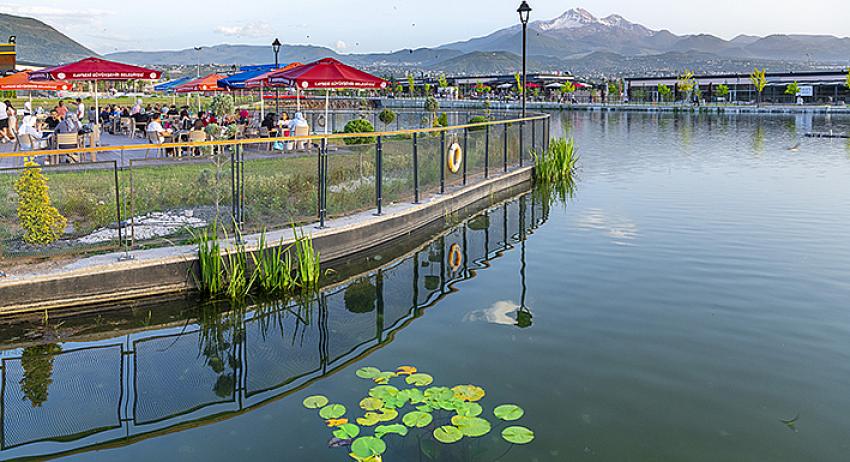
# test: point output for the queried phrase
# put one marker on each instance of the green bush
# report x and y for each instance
(359, 126)
(222, 105)
(442, 120)
(478, 120)
(387, 116)
(41, 221)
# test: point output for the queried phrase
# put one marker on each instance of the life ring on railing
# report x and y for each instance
(455, 158)
(321, 121)
(455, 257)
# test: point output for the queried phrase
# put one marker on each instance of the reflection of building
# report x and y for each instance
(817, 87)
(139, 385)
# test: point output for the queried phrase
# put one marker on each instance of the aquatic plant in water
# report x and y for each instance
(555, 169)
(446, 414)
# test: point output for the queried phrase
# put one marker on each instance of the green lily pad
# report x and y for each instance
(333, 411)
(417, 419)
(438, 394)
(448, 434)
(397, 429)
(315, 402)
(518, 435)
(371, 404)
(419, 380)
(384, 392)
(368, 372)
(509, 412)
(387, 415)
(368, 446)
(370, 419)
(471, 426)
(469, 393)
(469, 409)
(347, 432)
(384, 377)
(425, 408)
(450, 405)
(415, 396)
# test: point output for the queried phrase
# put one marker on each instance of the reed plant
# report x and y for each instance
(273, 268)
(309, 266)
(211, 280)
(558, 163)
(239, 283)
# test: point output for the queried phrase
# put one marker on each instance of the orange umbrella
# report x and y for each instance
(204, 84)
(21, 81)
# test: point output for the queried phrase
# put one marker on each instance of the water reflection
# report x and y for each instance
(226, 360)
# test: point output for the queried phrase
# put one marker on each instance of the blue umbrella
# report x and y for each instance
(171, 85)
(237, 81)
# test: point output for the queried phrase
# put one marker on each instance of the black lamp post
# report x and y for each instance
(524, 13)
(276, 47)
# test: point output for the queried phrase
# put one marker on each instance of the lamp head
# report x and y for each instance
(524, 12)
(276, 45)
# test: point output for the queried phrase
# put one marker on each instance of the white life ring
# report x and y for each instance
(455, 160)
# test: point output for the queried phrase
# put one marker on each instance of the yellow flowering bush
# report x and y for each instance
(41, 221)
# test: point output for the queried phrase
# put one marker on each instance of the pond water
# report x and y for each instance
(689, 303)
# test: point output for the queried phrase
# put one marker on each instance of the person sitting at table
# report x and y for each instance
(69, 124)
(29, 130)
(52, 120)
(155, 131)
(270, 122)
(244, 116)
(198, 125)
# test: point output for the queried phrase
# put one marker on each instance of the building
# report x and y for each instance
(815, 87)
(8, 56)
(496, 82)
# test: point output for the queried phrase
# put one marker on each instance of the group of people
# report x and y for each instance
(36, 125)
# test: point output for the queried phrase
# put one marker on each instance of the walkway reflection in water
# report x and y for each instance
(75, 396)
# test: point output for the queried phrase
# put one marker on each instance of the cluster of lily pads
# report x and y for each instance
(416, 405)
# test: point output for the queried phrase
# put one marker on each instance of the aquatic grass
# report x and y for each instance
(239, 283)
(558, 163)
(273, 267)
(309, 265)
(211, 280)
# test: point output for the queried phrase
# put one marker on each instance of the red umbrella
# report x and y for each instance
(95, 69)
(21, 81)
(327, 74)
(208, 83)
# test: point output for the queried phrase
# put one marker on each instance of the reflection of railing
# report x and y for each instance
(138, 195)
(225, 364)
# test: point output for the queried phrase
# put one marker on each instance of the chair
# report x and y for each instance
(302, 130)
(197, 136)
(153, 138)
(265, 133)
(68, 141)
(240, 131)
(127, 126)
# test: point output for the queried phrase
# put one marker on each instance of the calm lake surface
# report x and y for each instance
(692, 296)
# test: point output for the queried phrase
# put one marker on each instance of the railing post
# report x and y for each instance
(442, 162)
(117, 201)
(521, 141)
(505, 150)
(486, 152)
(379, 174)
(465, 153)
(534, 134)
(415, 167)
(322, 192)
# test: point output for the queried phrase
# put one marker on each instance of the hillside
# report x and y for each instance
(40, 43)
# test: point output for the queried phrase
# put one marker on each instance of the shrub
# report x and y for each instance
(222, 105)
(443, 120)
(387, 116)
(432, 105)
(41, 221)
(359, 126)
(478, 120)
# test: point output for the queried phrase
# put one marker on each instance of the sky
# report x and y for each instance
(365, 27)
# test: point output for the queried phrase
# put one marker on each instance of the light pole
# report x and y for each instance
(276, 47)
(524, 13)
(198, 55)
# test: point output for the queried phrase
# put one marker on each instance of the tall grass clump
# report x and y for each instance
(239, 282)
(309, 267)
(555, 168)
(273, 268)
(211, 281)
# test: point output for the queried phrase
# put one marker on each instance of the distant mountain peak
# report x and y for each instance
(572, 19)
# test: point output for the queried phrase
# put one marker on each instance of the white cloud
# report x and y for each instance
(340, 45)
(254, 29)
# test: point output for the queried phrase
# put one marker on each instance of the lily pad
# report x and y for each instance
(518, 435)
(417, 419)
(448, 434)
(384, 392)
(424, 408)
(315, 402)
(471, 426)
(370, 419)
(387, 415)
(419, 380)
(469, 393)
(509, 412)
(371, 404)
(437, 394)
(469, 409)
(336, 422)
(384, 377)
(347, 432)
(397, 429)
(333, 411)
(405, 370)
(368, 446)
(368, 372)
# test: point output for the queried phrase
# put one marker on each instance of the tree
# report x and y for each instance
(442, 81)
(847, 81)
(411, 86)
(759, 80)
(568, 87)
(399, 89)
(613, 90)
(792, 89)
(722, 90)
(359, 126)
(427, 89)
(432, 106)
(664, 92)
(37, 363)
(41, 221)
(685, 82)
(222, 105)
(519, 88)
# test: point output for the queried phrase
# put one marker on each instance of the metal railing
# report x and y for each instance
(147, 195)
(60, 399)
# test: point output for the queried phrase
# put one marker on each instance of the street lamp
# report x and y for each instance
(524, 13)
(198, 55)
(276, 47)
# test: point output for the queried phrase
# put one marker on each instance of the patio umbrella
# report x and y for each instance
(20, 82)
(169, 86)
(327, 74)
(204, 84)
(262, 80)
(94, 70)
(238, 81)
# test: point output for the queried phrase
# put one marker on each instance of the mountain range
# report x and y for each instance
(576, 41)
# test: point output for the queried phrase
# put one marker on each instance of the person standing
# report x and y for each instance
(61, 109)
(81, 109)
